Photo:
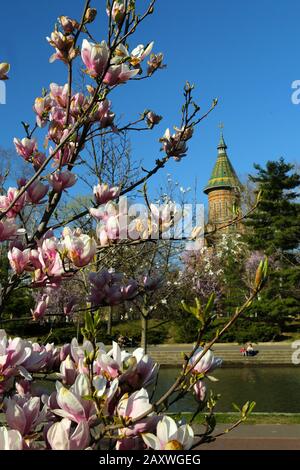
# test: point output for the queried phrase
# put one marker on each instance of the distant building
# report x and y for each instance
(224, 193)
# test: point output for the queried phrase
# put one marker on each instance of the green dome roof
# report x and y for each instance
(223, 174)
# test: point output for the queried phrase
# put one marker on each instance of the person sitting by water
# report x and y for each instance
(250, 350)
(243, 351)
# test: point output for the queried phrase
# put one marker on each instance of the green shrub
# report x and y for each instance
(60, 333)
(185, 331)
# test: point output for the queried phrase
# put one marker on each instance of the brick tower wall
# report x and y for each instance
(220, 203)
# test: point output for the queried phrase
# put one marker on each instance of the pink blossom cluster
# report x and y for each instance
(91, 380)
(110, 288)
(174, 145)
(19, 357)
(116, 222)
(48, 262)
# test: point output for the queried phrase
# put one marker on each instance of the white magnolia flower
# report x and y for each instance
(169, 436)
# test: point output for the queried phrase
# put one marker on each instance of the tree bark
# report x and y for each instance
(109, 320)
(144, 336)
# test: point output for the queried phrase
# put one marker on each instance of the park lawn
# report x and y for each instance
(254, 418)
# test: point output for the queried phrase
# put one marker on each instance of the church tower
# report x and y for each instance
(223, 189)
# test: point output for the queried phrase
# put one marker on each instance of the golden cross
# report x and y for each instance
(221, 125)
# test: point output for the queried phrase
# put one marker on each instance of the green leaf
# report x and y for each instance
(236, 408)
(210, 304)
(89, 323)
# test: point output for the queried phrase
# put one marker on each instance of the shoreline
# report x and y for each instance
(269, 354)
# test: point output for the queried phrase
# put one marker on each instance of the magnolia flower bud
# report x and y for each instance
(4, 69)
(155, 62)
(68, 24)
(152, 119)
(90, 15)
(200, 390)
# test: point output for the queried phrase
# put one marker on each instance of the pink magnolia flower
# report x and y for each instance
(184, 133)
(55, 132)
(19, 259)
(79, 352)
(10, 439)
(37, 359)
(113, 295)
(152, 119)
(8, 229)
(68, 24)
(206, 364)
(68, 371)
(59, 94)
(118, 11)
(95, 57)
(24, 414)
(108, 231)
(25, 147)
(53, 357)
(38, 159)
(169, 436)
(129, 290)
(57, 116)
(78, 104)
(61, 180)
(111, 362)
(5, 202)
(23, 387)
(133, 407)
(37, 191)
(40, 308)
(63, 436)
(139, 53)
(103, 193)
(165, 216)
(69, 306)
(174, 145)
(200, 390)
(72, 403)
(64, 47)
(96, 213)
(42, 107)
(4, 69)
(103, 114)
(140, 370)
(65, 351)
(80, 249)
(63, 156)
(118, 74)
(49, 258)
(13, 354)
(106, 288)
(102, 235)
(155, 62)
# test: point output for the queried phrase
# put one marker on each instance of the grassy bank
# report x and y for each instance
(255, 418)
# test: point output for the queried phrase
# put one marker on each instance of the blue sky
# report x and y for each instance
(245, 53)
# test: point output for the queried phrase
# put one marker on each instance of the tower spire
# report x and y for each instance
(223, 188)
(223, 174)
(222, 145)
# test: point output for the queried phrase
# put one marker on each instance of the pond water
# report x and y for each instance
(274, 389)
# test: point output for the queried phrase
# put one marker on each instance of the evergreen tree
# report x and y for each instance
(274, 228)
(275, 225)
